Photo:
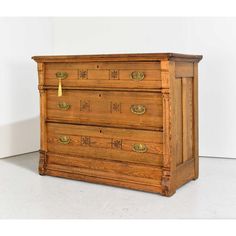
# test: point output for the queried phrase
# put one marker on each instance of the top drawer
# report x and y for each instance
(104, 75)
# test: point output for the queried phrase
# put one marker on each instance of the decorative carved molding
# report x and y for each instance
(83, 74)
(166, 181)
(165, 75)
(42, 162)
(115, 107)
(85, 141)
(114, 74)
(41, 90)
(40, 73)
(166, 128)
(85, 105)
(166, 175)
(116, 143)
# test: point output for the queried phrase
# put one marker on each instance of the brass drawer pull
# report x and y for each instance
(137, 75)
(64, 106)
(138, 147)
(138, 109)
(60, 75)
(64, 139)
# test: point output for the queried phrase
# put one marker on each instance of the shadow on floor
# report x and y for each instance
(27, 161)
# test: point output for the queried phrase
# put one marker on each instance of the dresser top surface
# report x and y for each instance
(119, 57)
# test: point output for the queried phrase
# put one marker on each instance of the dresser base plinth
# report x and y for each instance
(166, 188)
(109, 182)
(104, 181)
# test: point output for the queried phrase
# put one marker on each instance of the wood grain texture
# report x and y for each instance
(169, 155)
(184, 69)
(115, 75)
(187, 106)
(184, 173)
(177, 124)
(119, 57)
(43, 112)
(91, 133)
(110, 108)
(195, 121)
(106, 143)
(107, 181)
(110, 168)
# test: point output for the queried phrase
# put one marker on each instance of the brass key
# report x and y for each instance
(60, 76)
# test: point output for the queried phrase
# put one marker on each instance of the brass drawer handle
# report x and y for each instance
(138, 109)
(137, 75)
(60, 75)
(64, 139)
(138, 147)
(64, 106)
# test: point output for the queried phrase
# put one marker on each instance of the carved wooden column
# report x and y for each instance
(43, 133)
(167, 74)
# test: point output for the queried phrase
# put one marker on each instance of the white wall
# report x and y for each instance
(215, 38)
(20, 39)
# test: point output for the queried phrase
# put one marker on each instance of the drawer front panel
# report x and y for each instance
(106, 143)
(107, 75)
(119, 109)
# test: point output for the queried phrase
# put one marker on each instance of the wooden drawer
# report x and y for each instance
(140, 110)
(107, 75)
(106, 143)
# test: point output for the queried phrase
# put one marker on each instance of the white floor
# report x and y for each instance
(25, 194)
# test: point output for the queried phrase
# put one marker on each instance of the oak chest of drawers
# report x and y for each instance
(127, 120)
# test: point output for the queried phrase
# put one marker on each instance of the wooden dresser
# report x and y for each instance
(128, 120)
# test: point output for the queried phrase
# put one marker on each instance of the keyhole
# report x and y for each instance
(97, 66)
(100, 95)
(100, 131)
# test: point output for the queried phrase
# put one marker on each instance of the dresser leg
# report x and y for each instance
(167, 185)
(195, 177)
(42, 163)
(168, 193)
(41, 171)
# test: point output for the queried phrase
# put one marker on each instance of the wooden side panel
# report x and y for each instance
(184, 130)
(183, 109)
(184, 69)
(184, 173)
(177, 124)
(195, 121)
(187, 107)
